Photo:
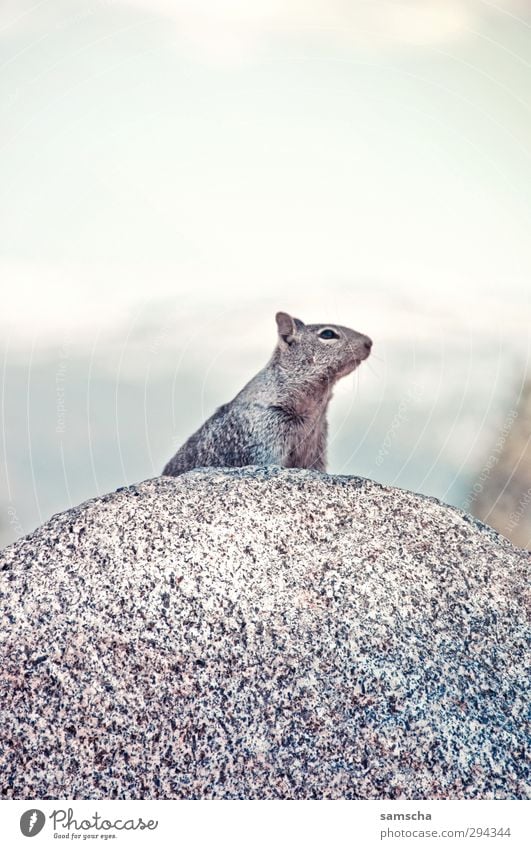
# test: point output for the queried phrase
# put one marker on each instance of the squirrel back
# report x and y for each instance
(279, 417)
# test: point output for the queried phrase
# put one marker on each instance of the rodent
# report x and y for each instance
(279, 417)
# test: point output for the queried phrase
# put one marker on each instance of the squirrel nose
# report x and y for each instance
(367, 344)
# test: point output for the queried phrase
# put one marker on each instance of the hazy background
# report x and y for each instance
(172, 173)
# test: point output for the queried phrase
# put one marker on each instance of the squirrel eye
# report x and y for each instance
(328, 334)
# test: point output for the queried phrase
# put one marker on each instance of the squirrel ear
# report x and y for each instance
(287, 327)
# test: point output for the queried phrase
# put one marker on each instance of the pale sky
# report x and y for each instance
(219, 151)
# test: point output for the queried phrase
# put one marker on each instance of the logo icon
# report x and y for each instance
(31, 822)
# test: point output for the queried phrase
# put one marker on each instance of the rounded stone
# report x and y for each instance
(262, 633)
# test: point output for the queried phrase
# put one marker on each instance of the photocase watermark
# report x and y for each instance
(32, 822)
(492, 461)
(60, 387)
(97, 823)
(66, 825)
(516, 515)
(412, 396)
(13, 520)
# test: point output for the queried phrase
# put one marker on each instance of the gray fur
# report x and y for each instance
(279, 417)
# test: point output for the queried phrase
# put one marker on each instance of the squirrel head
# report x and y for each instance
(319, 351)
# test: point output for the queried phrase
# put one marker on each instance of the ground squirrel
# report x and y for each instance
(279, 417)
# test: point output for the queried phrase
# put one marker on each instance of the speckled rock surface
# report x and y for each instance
(263, 634)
